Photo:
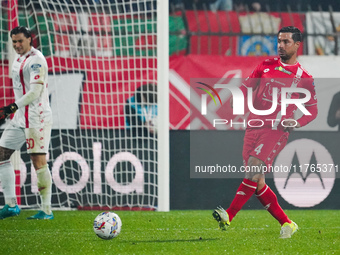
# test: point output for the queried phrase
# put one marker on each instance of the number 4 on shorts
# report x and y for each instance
(258, 149)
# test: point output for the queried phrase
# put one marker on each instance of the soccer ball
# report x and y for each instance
(107, 225)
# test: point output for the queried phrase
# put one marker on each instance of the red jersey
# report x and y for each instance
(272, 73)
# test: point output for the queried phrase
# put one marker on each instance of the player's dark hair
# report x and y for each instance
(21, 29)
(148, 91)
(296, 33)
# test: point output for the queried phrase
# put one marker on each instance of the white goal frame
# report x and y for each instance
(163, 112)
(162, 181)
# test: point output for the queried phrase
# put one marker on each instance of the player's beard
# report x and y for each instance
(285, 56)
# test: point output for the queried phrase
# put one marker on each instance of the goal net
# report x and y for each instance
(105, 98)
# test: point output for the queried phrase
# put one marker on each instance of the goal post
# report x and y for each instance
(109, 93)
(163, 118)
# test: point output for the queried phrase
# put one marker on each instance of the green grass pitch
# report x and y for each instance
(175, 232)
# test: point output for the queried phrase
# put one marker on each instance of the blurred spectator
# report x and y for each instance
(274, 6)
(141, 111)
(190, 4)
(333, 118)
(221, 5)
(250, 5)
(286, 5)
(175, 5)
(197, 4)
(135, 5)
(324, 5)
(213, 5)
(175, 2)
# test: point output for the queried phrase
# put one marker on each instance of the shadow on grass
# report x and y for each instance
(170, 241)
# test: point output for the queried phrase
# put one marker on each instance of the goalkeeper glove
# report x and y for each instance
(6, 111)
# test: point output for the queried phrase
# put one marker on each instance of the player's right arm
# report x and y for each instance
(37, 72)
(252, 81)
(6, 111)
(33, 94)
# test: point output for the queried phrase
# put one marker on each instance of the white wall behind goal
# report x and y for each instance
(64, 90)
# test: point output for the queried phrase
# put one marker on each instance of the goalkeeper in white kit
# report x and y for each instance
(31, 123)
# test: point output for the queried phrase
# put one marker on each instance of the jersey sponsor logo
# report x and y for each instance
(311, 177)
(278, 82)
(36, 77)
(35, 67)
(281, 69)
(266, 70)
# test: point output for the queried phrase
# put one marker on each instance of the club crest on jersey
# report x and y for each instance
(35, 67)
(281, 69)
(296, 80)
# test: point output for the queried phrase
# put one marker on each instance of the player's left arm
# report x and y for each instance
(333, 112)
(311, 107)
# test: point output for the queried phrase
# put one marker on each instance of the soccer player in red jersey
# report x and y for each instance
(266, 135)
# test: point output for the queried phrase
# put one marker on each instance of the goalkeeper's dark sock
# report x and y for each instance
(243, 193)
(269, 200)
(45, 188)
(7, 179)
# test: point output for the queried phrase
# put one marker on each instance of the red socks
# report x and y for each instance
(243, 193)
(266, 196)
(269, 200)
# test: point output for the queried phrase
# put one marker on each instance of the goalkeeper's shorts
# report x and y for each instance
(37, 139)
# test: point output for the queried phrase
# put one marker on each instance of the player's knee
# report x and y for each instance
(252, 161)
(38, 160)
(261, 183)
(255, 177)
(255, 171)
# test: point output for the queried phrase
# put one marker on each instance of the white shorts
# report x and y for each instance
(37, 139)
